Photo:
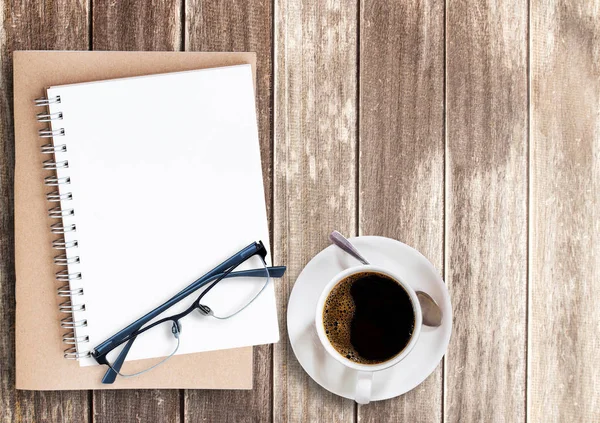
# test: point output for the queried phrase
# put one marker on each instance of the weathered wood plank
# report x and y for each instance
(43, 25)
(401, 165)
(315, 173)
(565, 212)
(137, 26)
(486, 214)
(140, 405)
(238, 26)
(149, 25)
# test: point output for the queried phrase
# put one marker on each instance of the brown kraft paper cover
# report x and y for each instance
(40, 364)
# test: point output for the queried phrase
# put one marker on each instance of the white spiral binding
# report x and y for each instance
(53, 181)
(70, 294)
(57, 197)
(46, 101)
(61, 244)
(65, 276)
(59, 228)
(71, 339)
(48, 117)
(51, 133)
(69, 323)
(53, 165)
(66, 291)
(51, 149)
(72, 353)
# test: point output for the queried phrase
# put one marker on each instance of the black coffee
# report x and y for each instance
(368, 318)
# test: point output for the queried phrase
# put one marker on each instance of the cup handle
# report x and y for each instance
(364, 384)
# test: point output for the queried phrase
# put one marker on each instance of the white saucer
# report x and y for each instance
(409, 265)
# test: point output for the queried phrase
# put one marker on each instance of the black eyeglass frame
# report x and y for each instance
(224, 270)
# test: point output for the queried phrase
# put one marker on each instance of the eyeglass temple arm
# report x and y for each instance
(274, 271)
(111, 374)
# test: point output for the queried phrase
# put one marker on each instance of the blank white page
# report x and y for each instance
(166, 181)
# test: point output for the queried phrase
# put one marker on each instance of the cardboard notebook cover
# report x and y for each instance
(40, 364)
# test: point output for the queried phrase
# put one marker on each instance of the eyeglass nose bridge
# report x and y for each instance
(176, 329)
(205, 310)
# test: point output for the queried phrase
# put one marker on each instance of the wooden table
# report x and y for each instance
(469, 130)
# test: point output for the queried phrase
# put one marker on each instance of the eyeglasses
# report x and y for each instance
(227, 291)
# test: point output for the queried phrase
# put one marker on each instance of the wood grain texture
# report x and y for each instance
(401, 165)
(31, 25)
(137, 26)
(235, 25)
(141, 405)
(315, 173)
(486, 213)
(313, 93)
(565, 212)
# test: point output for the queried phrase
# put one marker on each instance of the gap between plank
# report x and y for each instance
(90, 20)
(272, 188)
(445, 195)
(528, 213)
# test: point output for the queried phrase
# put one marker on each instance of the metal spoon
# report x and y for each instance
(432, 314)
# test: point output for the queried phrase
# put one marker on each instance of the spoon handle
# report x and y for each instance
(341, 241)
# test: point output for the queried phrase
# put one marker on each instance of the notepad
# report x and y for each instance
(158, 180)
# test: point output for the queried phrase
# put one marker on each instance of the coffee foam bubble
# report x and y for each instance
(338, 313)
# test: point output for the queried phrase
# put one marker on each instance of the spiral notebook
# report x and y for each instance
(158, 180)
(151, 181)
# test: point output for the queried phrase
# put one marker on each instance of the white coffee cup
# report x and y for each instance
(364, 372)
